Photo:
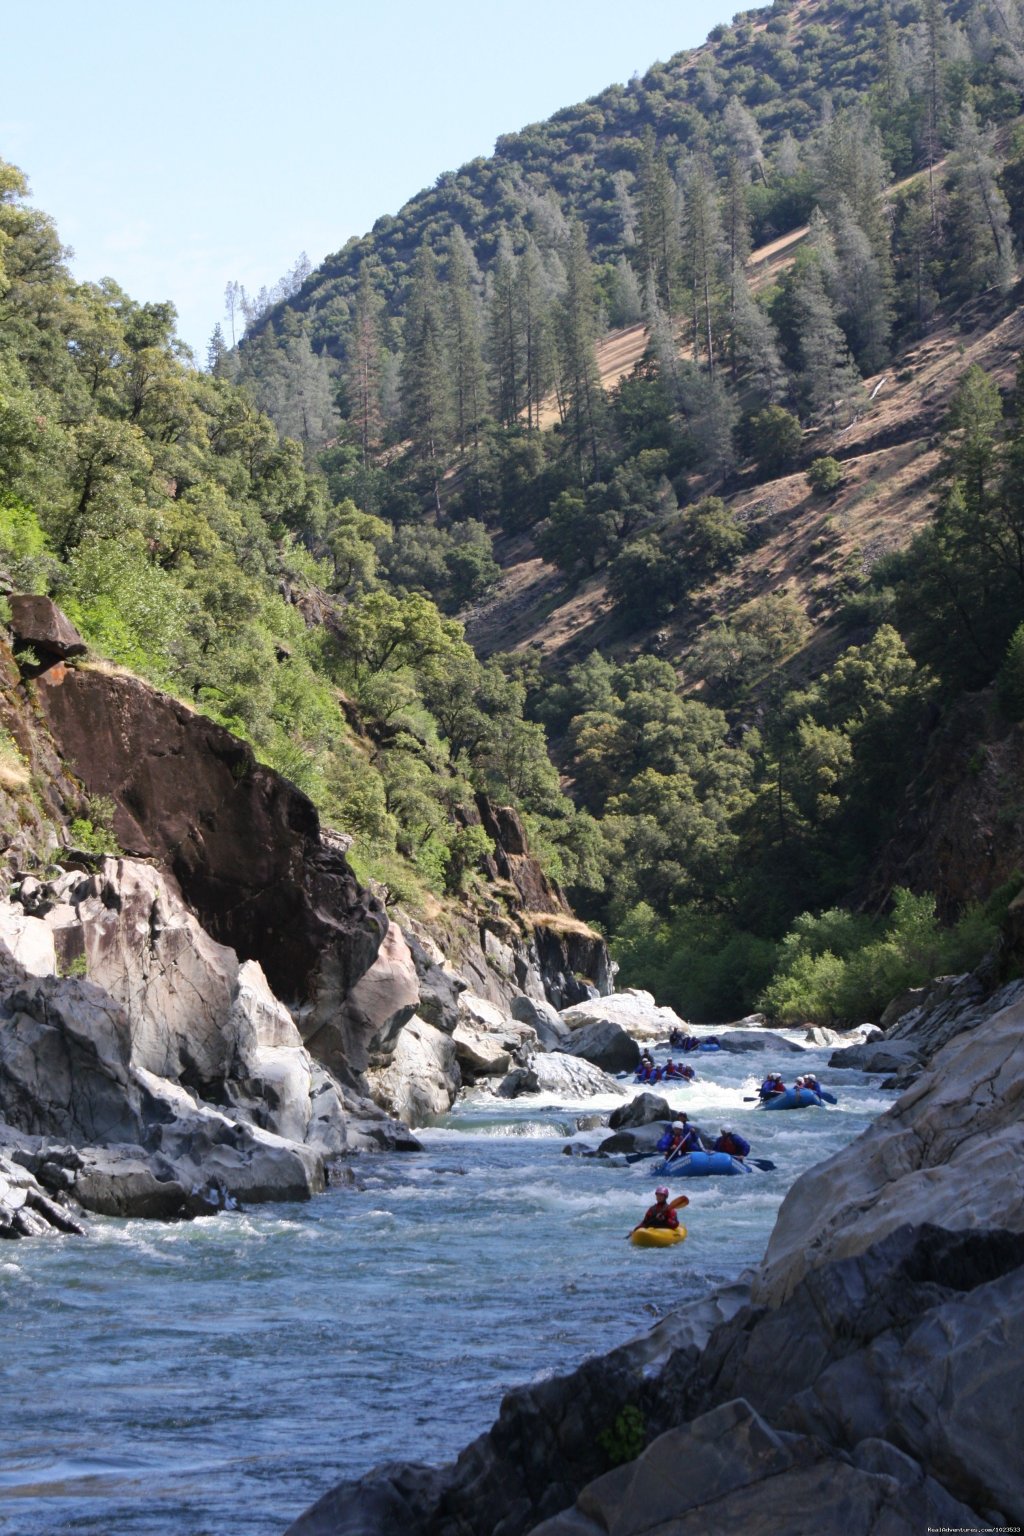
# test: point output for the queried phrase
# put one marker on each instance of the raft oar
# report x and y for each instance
(829, 1098)
(673, 1205)
(762, 1163)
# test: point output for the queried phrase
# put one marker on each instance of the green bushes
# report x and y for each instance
(841, 968)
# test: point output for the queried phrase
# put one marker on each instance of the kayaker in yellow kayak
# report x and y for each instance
(661, 1215)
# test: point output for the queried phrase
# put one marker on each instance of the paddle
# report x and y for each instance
(673, 1205)
(762, 1163)
(829, 1098)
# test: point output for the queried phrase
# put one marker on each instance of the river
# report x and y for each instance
(215, 1377)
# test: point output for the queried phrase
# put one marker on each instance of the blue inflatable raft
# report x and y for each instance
(702, 1165)
(793, 1098)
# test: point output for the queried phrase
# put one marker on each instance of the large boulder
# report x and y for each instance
(756, 1040)
(949, 1151)
(742, 1475)
(632, 1010)
(26, 941)
(886, 1056)
(604, 1043)
(487, 1040)
(643, 1109)
(439, 985)
(635, 1138)
(39, 623)
(557, 1072)
(422, 1078)
(546, 1022)
(369, 1016)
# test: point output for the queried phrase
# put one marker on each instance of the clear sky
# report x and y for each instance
(183, 144)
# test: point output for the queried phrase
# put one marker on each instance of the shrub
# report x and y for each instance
(775, 436)
(825, 475)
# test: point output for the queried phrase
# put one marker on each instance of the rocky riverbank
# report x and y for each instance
(865, 1380)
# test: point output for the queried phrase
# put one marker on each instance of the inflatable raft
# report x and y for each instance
(702, 1165)
(657, 1237)
(793, 1098)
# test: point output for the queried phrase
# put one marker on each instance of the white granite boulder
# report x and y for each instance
(632, 1010)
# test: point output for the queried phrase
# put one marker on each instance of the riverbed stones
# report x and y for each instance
(26, 1208)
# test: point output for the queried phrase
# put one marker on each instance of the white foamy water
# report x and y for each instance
(215, 1377)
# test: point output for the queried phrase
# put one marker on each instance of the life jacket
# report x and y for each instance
(736, 1146)
(661, 1216)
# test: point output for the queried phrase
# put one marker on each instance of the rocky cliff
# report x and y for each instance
(863, 1382)
(223, 1010)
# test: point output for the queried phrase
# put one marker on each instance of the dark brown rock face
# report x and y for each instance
(514, 861)
(242, 843)
(961, 834)
(37, 621)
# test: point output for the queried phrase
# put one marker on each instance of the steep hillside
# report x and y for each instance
(784, 63)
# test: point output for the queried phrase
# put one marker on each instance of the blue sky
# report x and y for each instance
(181, 145)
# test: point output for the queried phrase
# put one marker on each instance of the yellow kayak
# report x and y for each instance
(657, 1237)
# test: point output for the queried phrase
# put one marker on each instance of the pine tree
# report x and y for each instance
(659, 221)
(755, 343)
(532, 321)
(744, 135)
(426, 388)
(626, 300)
(578, 332)
(216, 351)
(465, 349)
(863, 291)
(977, 236)
(703, 250)
(828, 379)
(363, 374)
(503, 333)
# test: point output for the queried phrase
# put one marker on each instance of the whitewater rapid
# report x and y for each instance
(217, 1376)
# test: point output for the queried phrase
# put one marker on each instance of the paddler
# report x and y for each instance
(660, 1214)
(732, 1142)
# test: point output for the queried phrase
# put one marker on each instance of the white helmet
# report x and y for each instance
(661, 1193)
(677, 1125)
(726, 1130)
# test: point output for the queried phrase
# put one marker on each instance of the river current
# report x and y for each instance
(215, 1377)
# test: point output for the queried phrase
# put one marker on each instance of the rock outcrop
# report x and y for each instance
(167, 1069)
(241, 843)
(949, 1152)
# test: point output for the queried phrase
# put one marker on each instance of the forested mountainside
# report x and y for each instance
(762, 567)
